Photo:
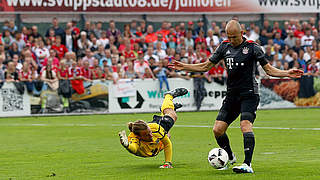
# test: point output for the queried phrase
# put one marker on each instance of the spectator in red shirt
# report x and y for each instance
(298, 33)
(60, 48)
(151, 36)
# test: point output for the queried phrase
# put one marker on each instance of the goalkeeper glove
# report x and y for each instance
(123, 138)
(166, 165)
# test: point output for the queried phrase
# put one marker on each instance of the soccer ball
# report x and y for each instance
(218, 158)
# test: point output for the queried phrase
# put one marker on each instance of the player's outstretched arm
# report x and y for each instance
(123, 138)
(131, 145)
(167, 152)
(272, 71)
(201, 67)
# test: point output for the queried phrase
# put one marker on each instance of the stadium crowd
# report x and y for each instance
(140, 51)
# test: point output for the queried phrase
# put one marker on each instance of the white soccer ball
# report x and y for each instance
(218, 158)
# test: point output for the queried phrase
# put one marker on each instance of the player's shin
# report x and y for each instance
(224, 143)
(167, 103)
(249, 143)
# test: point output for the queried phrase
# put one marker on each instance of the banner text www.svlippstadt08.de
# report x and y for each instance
(84, 5)
(162, 6)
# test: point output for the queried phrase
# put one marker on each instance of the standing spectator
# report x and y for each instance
(58, 31)
(133, 27)
(113, 31)
(143, 26)
(35, 32)
(70, 40)
(267, 28)
(12, 27)
(98, 30)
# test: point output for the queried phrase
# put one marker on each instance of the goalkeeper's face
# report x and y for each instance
(146, 135)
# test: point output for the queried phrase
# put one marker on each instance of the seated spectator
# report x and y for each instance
(141, 66)
(313, 68)
(150, 54)
(159, 51)
(26, 76)
(41, 53)
(88, 57)
(130, 72)
(6, 39)
(83, 44)
(11, 74)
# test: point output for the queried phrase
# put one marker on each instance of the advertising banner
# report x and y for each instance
(162, 6)
(12, 103)
(148, 97)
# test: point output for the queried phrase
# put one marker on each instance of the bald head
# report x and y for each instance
(234, 33)
(233, 26)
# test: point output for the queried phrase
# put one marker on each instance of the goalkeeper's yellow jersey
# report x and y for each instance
(159, 142)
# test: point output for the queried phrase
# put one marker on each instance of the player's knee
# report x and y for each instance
(246, 126)
(217, 131)
(171, 113)
(248, 116)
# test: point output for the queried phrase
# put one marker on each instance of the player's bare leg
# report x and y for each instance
(168, 108)
(219, 130)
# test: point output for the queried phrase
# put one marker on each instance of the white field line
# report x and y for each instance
(119, 125)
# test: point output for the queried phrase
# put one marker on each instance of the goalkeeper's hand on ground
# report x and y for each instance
(123, 138)
(166, 165)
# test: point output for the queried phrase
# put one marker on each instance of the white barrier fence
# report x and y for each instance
(130, 97)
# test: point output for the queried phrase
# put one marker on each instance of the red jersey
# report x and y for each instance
(61, 50)
(25, 75)
(87, 73)
(63, 73)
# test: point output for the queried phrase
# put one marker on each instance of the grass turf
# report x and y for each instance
(88, 148)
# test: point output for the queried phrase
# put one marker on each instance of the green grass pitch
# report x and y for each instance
(88, 148)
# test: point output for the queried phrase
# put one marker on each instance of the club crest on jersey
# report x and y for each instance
(245, 50)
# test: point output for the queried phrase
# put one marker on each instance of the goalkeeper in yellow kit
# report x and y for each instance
(148, 139)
